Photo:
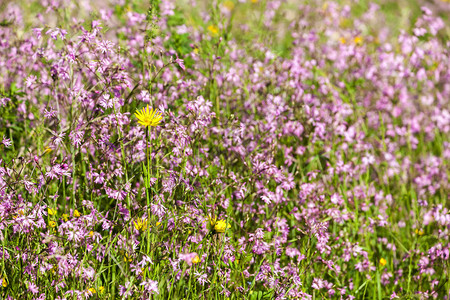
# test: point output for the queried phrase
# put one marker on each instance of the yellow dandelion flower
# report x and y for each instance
(148, 116)
(196, 260)
(213, 29)
(419, 232)
(221, 226)
(51, 212)
(76, 213)
(52, 224)
(383, 262)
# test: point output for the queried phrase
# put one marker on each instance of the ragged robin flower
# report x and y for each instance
(148, 116)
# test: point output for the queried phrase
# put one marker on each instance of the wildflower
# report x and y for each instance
(180, 63)
(52, 224)
(4, 282)
(221, 226)
(419, 232)
(158, 223)
(358, 40)
(140, 224)
(229, 5)
(218, 226)
(92, 290)
(127, 258)
(213, 29)
(101, 289)
(7, 142)
(65, 217)
(76, 213)
(51, 212)
(383, 262)
(148, 117)
(342, 40)
(151, 286)
(196, 260)
(91, 233)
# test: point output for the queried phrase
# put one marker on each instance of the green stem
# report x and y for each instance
(147, 185)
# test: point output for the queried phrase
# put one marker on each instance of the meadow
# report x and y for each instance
(224, 149)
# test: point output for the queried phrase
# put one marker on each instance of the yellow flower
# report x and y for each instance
(221, 226)
(91, 233)
(127, 257)
(419, 232)
(76, 213)
(140, 224)
(101, 289)
(4, 282)
(358, 40)
(254, 1)
(383, 262)
(48, 150)
(342, 40)
(196, 260)
(229, 5)
(52, 224)
(158, 223)
(92, 290)
(213, 29)
(51, 212)
(65, 217)
(148, 116)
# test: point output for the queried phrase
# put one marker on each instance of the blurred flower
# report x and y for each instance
(419, 232)
(213, 29)
(383, 262)
(196, 260)
(51, 212)
(4, 282)
(148, 117)
(52, 224)
(7, 142)
(76, 213)
(190, 258)
(358, 40)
